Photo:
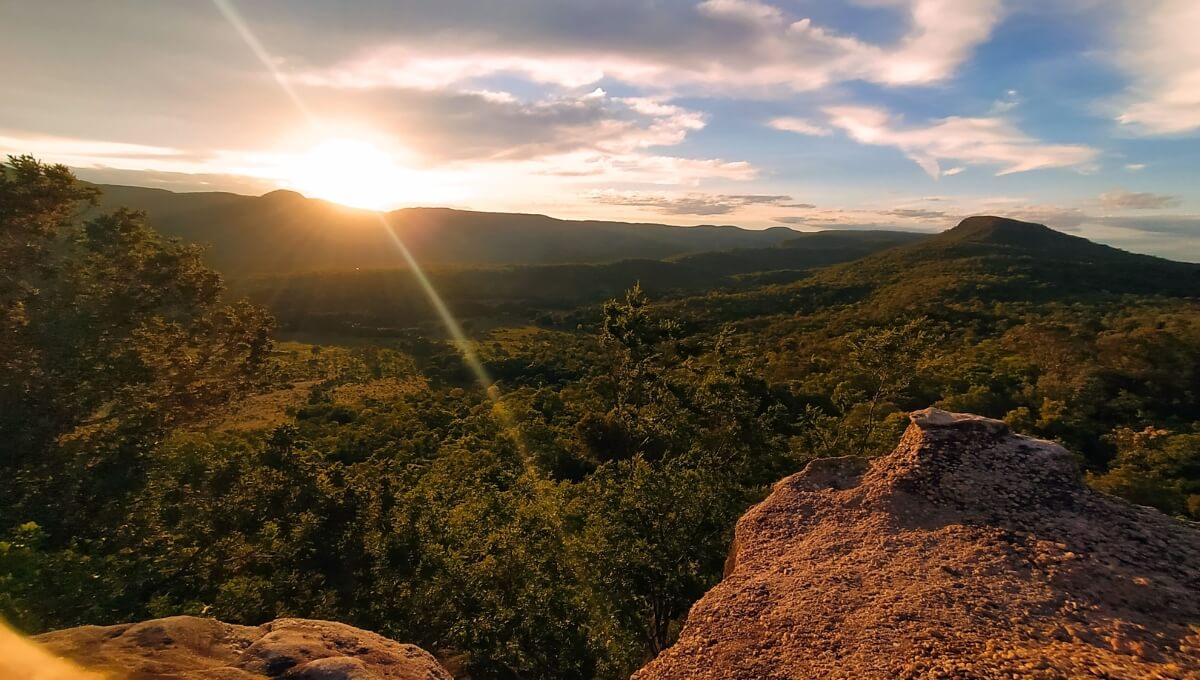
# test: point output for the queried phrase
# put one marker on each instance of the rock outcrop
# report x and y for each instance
(190, 648)
(968, 552)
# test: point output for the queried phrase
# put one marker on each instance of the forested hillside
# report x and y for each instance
(168, 455)
(284, 232)
(381, 302)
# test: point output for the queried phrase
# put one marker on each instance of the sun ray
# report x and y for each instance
(461, 342)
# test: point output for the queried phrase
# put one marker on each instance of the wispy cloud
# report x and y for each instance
(971, 141)
(1131, 200)
(441, 126)
(801, 126)
(1160, 52)
(1183, 225)
(74, 151)
(694, 203)
(750, 11)
(762, 47)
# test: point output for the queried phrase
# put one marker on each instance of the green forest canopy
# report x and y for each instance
(164, 455)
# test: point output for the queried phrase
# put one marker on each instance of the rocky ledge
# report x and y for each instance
(189, 648)
(968, 552)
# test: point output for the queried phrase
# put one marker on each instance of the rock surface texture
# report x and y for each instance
(968, 552)
(189, 648)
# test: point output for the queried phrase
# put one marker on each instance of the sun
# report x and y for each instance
(351, 172)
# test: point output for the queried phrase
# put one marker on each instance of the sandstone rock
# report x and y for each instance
(968, 552)
(190, 648)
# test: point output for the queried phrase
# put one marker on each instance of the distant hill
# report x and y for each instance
(381, 298)
(284, 232)
(1005, 259)
(982, 261)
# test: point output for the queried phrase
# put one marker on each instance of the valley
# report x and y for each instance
(330, 455)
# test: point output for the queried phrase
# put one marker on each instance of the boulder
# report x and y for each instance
(967, 552)
(191, 648)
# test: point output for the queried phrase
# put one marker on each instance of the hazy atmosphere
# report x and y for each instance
(1081, 114)
(600, 340)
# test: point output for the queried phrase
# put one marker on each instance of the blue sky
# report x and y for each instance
(1082, 114)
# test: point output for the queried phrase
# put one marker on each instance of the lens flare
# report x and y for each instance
(243, 30)
(457, 336)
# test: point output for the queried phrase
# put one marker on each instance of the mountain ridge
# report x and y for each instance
(284, 232)
(1009, 259)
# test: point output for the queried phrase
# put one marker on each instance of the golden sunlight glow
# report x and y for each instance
(355, 173)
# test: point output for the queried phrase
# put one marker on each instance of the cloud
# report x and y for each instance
(694, 203)
(900, 217)
(1058, 217)
(942, 35)
(1160, 52)
(1185, 225)
(637, 168)
(114, 156)
(971, 141)
(177, 181)
(442, 126)
(801, 126)
(1173, 236)
(593, 135)
(911, 215)
(665, 47)
(921, 214)
(1135, 167)
(743, 10)
(1129, 200)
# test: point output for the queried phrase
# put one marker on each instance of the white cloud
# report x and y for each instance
(969, 141)
(744, 10)
(1008, 103)
(801, 126)
(87, 152)
(1135, 167)
(669, 124)
(1160, 51)
(441, 127)
(760, 48)
(417, 68)
(942, 35)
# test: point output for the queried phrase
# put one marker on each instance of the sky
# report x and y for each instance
(814, 114)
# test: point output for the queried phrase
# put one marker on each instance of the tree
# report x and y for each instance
(110, 335)
(882, 364)
(1155, 467)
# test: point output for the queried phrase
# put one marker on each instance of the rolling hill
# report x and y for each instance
(284, 232)
(982, 261)
(384, 298)
(997, 258)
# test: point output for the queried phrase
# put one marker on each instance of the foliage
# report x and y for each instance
(1155, 467)
(561, 525)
